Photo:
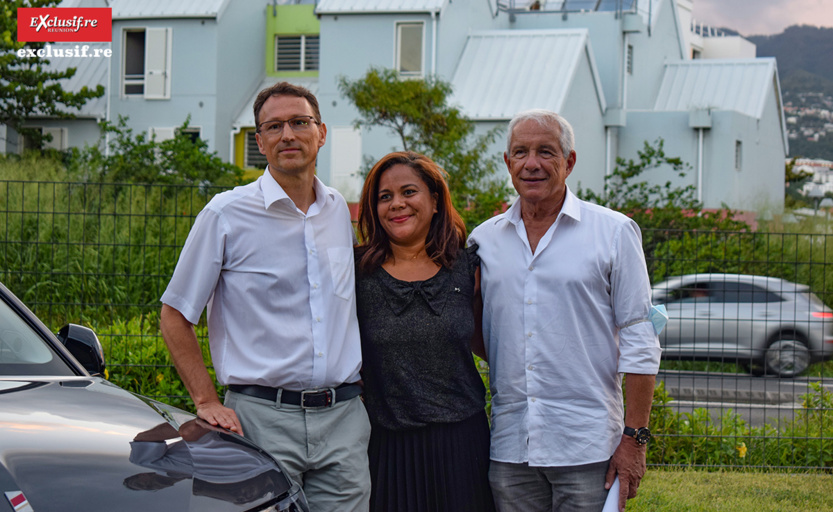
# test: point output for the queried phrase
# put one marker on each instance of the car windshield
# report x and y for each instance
(23, 351)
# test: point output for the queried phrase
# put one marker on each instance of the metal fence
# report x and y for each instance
(101, 255)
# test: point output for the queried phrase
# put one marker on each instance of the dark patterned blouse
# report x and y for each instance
(417, 362)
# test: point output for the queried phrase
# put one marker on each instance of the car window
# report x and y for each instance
(694, 292)
(23, 351)
(742, 293)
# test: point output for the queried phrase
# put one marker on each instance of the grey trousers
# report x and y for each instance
(324, 450)
(518, 487)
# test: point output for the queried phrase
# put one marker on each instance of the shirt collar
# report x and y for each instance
(273, 192)
(570, 208)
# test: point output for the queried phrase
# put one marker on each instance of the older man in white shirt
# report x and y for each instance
(566, 305)
(272, 262)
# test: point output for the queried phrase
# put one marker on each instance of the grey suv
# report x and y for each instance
(767, 324)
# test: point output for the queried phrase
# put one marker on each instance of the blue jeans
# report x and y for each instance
(518, 487)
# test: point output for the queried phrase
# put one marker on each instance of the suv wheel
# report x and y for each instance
(787, 356)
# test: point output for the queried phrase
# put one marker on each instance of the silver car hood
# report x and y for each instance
(84, 444)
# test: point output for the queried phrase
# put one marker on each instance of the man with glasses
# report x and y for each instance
(273, 263)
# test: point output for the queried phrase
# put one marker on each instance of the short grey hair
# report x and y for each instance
(545, 119)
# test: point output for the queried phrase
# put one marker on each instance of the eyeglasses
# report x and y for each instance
(298, 124)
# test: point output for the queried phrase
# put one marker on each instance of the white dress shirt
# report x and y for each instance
(279, 286)
(561, 326)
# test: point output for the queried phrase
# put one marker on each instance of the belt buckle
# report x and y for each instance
(329, 396)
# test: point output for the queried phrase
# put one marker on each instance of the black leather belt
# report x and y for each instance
(310, 399)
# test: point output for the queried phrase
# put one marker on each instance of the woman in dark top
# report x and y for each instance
(415, 289)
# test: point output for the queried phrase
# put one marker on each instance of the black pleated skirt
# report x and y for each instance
(441, 467)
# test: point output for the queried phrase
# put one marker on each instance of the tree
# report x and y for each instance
(659, 205)
(791, 176)
(794, 186)
(417, 112)
(27, 86)
(663, 211)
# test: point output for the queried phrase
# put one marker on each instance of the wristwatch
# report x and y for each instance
(641, 435)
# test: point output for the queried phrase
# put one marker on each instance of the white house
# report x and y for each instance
(170, 60)
(620, 70)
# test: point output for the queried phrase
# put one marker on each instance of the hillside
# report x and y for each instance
(799, 48)
(805, 69)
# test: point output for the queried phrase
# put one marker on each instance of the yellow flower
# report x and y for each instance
(106, 374)
(741, 448)
(160, 378)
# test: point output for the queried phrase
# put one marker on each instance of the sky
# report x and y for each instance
(763, 17)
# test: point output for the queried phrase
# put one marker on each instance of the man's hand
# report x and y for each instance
(216, 414)
(628, 462)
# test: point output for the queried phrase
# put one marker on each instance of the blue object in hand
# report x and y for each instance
(658, 317)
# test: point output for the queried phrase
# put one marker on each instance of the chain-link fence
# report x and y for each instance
(743, 383)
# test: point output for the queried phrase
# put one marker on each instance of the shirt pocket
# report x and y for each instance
(341, 271)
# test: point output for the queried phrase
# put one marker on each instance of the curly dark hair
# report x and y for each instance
(447, 234)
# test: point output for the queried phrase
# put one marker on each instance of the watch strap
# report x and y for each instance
(640, 435)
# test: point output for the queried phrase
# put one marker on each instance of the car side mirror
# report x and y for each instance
(83, 344)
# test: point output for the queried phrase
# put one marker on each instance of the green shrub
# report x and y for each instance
(138, 360)
(77, 252)
(137, 158)
(696, 439)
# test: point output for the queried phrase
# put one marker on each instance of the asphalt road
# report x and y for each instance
(757, 400)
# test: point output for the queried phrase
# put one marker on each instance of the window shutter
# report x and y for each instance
(161, 134)
(288, 53)
(157, 64)
(311, 49)
(346, 161)
(59, 138)
(253, 159)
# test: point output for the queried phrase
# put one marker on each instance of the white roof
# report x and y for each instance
(503, 72)
(739, 85)
(378, 6)
(90, 72)
(246, 117)
(144, 9)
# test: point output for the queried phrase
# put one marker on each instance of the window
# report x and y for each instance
(696, 292)
(253, 159)
(296, 53)
(59, 138)
(192, 132)
(160, 134)
(409, 55)
(724, 292)
(630, 59)
(134, 62)
(147, 63)
(738, 155)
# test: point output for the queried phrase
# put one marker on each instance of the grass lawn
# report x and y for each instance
(688, 490)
